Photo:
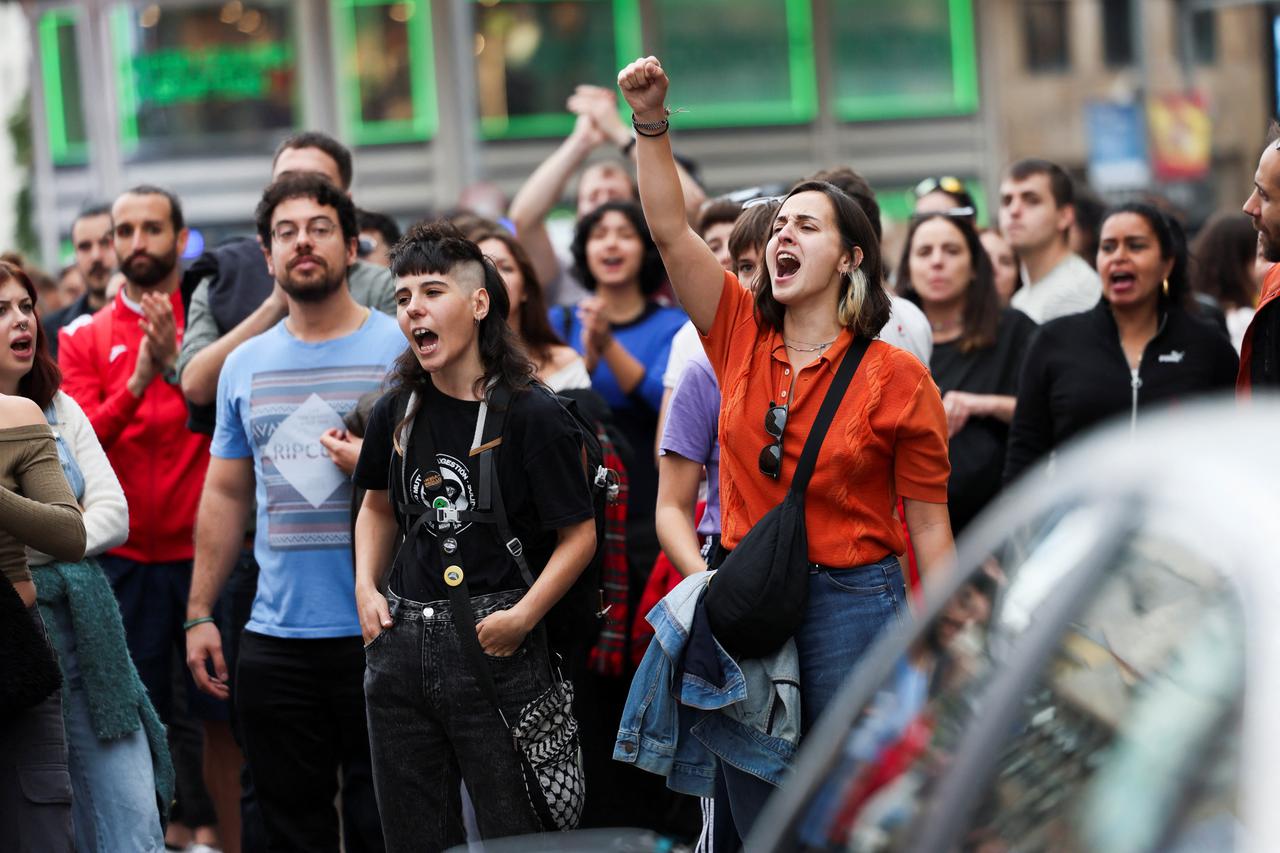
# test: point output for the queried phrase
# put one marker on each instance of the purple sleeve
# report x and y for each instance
(694, 413)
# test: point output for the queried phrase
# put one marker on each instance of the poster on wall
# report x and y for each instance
(1117, 146)
(1181, 136)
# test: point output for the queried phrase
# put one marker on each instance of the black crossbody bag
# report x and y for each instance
(545, 733)
(757, 599)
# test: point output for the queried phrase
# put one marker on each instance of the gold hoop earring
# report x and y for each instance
(1165, 287)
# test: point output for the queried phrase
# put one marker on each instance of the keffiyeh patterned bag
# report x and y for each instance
(546, 738)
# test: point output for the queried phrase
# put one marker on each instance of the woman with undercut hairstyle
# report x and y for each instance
(456, 644)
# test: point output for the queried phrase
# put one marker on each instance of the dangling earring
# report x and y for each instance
(1165, 287)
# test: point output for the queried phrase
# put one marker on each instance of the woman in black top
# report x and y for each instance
(1141, 345)
(978, 349)
(432, 722)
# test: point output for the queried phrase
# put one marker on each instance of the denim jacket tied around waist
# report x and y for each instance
(746, 713)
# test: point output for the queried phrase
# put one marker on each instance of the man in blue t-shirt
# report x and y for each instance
(279, 439)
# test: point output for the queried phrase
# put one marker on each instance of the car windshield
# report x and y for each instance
(1119, 736)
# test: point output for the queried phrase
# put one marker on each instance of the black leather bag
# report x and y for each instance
(757, 599)
(29, 672)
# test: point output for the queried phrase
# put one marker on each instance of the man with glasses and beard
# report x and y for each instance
(119, 366)
(95, 258)
(299, 694)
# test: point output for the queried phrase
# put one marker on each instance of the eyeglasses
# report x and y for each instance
(319, 229)
(946, 183)
(775, 423)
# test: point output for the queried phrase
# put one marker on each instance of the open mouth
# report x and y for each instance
(787, 265)
(1123, 279)
(613, 264)
(23, 346)
(425, 341)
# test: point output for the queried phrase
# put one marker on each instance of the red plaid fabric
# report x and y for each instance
(607, 656)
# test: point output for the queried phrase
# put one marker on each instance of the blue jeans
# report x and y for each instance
(114, 793)
(848, 609)
(432, 726)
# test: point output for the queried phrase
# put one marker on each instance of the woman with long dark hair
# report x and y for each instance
(558, 366)
(625, 335)
(978, 349)
(775, 353)
(1224, 268)
(37, 510)
(1139, 346)
(432, 722)
(112, 729)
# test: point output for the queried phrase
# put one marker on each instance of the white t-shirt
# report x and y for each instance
(1069, 288)
(908, 329)
(684, 346)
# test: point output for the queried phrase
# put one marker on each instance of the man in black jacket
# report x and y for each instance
(95, 258)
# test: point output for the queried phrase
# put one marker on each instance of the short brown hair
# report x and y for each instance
(716, 212)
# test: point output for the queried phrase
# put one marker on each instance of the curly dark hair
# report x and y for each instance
(306, 185)
(652, 272)
(44, 378)
(439, 247)
(981, 318)
(865, 308)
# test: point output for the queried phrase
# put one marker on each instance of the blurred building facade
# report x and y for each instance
(436, 94)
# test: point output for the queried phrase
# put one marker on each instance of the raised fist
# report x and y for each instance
(644, 85)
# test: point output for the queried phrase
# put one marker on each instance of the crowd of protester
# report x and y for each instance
(296, 534)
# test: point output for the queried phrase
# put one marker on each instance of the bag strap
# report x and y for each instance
(494, 411)
(835, 395)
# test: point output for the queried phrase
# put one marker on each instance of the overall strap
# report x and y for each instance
(835, 394)
(489, 437)
(421, 448)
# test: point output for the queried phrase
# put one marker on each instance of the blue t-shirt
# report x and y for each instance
(276, 396)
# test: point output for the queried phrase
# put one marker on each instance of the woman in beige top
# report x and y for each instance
(37, 509)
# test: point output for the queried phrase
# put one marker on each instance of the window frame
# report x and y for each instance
(802, 105)
(62, 150)
(422, 86)
(121, 28)
(964, 98)
(628, 43)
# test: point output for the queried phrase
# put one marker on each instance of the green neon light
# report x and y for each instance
(63, 150)
(627, 45)
(964, 55)
(225, 72)
(422, 91)
(126, 83)
(961, 99)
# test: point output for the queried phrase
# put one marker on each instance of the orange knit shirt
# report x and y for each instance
(888, 438)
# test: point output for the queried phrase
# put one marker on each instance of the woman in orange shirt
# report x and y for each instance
(775, 354)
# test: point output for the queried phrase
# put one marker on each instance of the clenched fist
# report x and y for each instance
(644, 84)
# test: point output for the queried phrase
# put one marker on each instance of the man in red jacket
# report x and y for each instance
(118, 365)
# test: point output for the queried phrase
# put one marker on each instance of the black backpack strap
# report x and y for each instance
(490, 495)
(835, 394)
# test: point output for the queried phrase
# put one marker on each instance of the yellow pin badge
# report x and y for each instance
(453, 575)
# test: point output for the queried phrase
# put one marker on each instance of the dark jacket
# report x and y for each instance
(1076, 375)
(63, 317)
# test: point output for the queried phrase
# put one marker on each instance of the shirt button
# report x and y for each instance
(784, 395)
(786, 371)
(428, 612)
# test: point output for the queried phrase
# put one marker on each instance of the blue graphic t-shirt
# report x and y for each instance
(276, 396)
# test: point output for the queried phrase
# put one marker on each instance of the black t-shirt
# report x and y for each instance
(539, 465)
(977, 451)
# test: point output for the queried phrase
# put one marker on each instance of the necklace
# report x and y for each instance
(808, 347)
(945, 325)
